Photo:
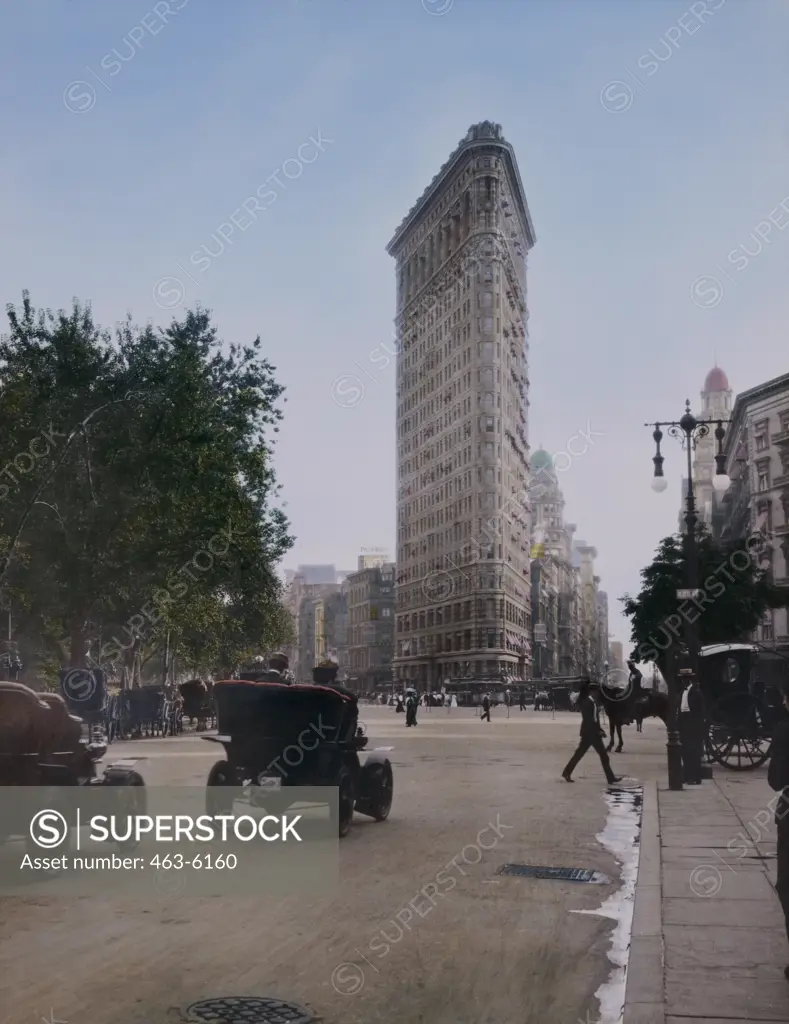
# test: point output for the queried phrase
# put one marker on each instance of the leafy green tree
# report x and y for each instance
(736, 592)
(151, 505)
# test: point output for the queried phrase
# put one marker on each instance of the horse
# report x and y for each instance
(632, 704)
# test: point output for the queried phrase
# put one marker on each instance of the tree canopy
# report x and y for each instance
(138, 496)
(736, 592)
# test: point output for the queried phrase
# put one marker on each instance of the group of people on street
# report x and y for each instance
(691, 730)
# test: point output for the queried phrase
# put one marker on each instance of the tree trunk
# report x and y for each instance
(78, 644)
(166, 660)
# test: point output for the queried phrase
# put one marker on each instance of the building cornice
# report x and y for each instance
(745, 399)
(484, 136)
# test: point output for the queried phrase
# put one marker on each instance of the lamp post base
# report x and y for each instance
(674, 758)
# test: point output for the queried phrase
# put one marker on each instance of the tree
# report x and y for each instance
(736, 592)
(147, 503)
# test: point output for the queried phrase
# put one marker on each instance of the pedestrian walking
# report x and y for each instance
(691, 731)
(778, 777)
(485, 708)
(522, 699)
(410, 709)
(592, 734)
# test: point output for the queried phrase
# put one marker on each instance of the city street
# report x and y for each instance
(490, 949)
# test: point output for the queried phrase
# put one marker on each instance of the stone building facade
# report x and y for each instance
(371, 627)
(463, 583)
(306, 604)
(588, 640)
(757, 461)
(602, 650)
(555, 580)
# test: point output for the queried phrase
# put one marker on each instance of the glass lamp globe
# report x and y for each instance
(659, 483)
(721, 482)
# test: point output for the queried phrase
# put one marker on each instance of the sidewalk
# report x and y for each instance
(708, 942)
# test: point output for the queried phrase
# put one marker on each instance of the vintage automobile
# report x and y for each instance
(258, 721)
(43, 745)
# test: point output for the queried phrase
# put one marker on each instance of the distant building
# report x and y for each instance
(371, 627)
(553, 575)
(304, 602)
(589, 646)
(335, 629)
(716, 403)
(757, 461)
(616, 657)
(314, 574)
(370, 560)
(602, 650)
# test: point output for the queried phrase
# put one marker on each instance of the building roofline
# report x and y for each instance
(479, 136)
(746, 398)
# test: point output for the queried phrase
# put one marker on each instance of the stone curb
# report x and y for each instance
(644, 995)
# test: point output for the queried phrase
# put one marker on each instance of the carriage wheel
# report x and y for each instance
(739, 735)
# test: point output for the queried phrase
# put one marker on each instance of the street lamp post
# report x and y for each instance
(688, 431)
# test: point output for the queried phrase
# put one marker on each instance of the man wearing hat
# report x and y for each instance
(591, 733)
(325, 674)
(280, 663)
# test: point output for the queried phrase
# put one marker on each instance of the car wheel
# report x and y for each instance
(218, 797)
(346, 798)
(384, 792)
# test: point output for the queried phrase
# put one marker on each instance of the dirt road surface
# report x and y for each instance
(489, 950)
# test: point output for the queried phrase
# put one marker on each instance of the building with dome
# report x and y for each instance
(716, 403)
(463, 590)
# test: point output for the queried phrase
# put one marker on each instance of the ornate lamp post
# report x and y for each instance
(688, 431)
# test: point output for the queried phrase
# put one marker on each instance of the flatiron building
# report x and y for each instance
(463, 527)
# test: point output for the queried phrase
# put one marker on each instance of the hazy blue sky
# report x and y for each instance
(191, 115)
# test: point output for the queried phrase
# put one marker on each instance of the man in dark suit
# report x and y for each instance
(778, 777)
(591, 734)
(691, 731)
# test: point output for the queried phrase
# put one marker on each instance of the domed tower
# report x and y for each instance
(547, 506)
(716, 395)
(716, 403)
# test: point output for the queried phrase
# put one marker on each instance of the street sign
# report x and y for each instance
(687, 595)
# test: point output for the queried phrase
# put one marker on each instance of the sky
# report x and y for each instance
(652, 140)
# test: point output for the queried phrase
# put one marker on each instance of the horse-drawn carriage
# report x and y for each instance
(198, 703)
(146, 711)
(86, 696)
(278, 735)
(43, 745)
(741, 688)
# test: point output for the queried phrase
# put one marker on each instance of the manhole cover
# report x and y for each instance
(248, 1010)
(558, 874)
